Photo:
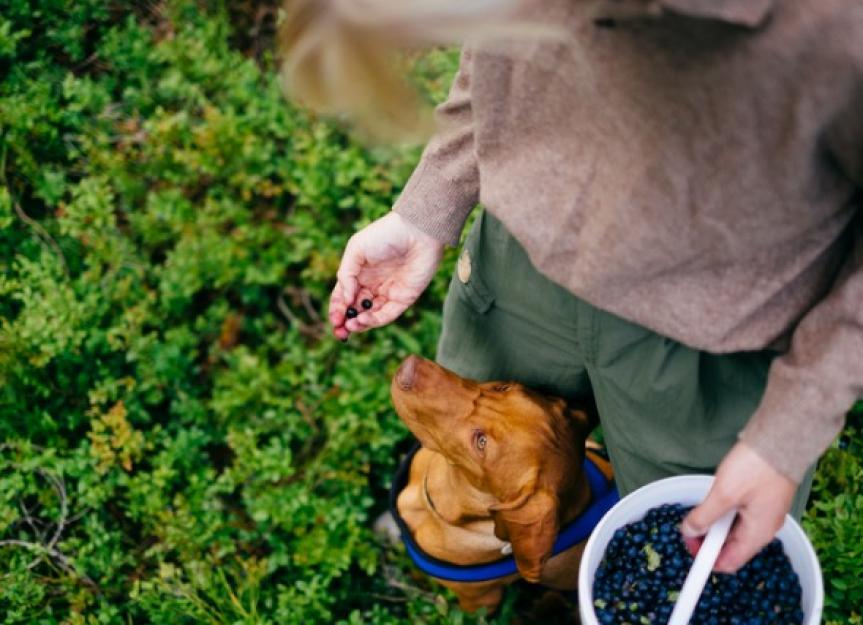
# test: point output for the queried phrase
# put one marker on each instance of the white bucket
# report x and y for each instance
(691, 490)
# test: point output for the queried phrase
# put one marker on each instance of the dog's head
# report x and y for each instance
(524, 448)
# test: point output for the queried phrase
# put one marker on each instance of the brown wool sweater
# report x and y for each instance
(694, 166)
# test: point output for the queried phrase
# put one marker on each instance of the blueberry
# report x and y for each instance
(366, 303)
(351, 312)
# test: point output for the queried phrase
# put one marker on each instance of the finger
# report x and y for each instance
(355, 325)
(349, 289)
(337, 314)
(700, 518)
(746, 539)
(337, 307)
(352, 262)
(387, 312)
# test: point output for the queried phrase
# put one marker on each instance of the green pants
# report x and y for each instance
(665, 409)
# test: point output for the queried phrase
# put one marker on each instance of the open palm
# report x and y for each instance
(388, 263)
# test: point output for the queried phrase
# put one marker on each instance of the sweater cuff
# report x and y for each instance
(789, 429)
(435, 205)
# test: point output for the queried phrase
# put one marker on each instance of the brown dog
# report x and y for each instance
(500, 467)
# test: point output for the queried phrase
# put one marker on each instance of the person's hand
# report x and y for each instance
(389, 263)
(762, 496)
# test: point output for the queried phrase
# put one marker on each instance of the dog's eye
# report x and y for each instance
(480, 440)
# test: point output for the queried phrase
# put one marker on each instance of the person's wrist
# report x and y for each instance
(443, 234)
(417, 233)
(768, 466)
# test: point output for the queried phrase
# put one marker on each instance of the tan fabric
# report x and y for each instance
(692, 168)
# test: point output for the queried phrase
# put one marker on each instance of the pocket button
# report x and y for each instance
(463, 267)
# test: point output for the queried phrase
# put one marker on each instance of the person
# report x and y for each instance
(671, 222)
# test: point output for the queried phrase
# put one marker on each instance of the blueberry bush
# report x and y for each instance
(180, 441)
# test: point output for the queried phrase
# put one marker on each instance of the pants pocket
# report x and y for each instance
(467, 283)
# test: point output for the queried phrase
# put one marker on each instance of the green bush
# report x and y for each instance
(834, 522)
(180, 441)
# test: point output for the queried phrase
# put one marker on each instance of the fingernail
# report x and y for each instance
(689, 531)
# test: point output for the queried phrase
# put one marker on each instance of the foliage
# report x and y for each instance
(180, 441)
(834, 521)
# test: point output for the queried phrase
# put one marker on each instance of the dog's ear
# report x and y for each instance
(583, 414)
(530, 524)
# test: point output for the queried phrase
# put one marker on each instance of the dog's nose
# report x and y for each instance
(407, 373)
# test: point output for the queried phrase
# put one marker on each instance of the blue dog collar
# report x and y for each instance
(603, 497)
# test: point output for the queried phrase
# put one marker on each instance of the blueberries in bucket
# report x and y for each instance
(646, 562)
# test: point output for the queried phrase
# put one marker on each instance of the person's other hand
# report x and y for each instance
(762, 496)
(389, 262)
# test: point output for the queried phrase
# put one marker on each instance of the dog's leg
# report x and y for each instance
(475, 595)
